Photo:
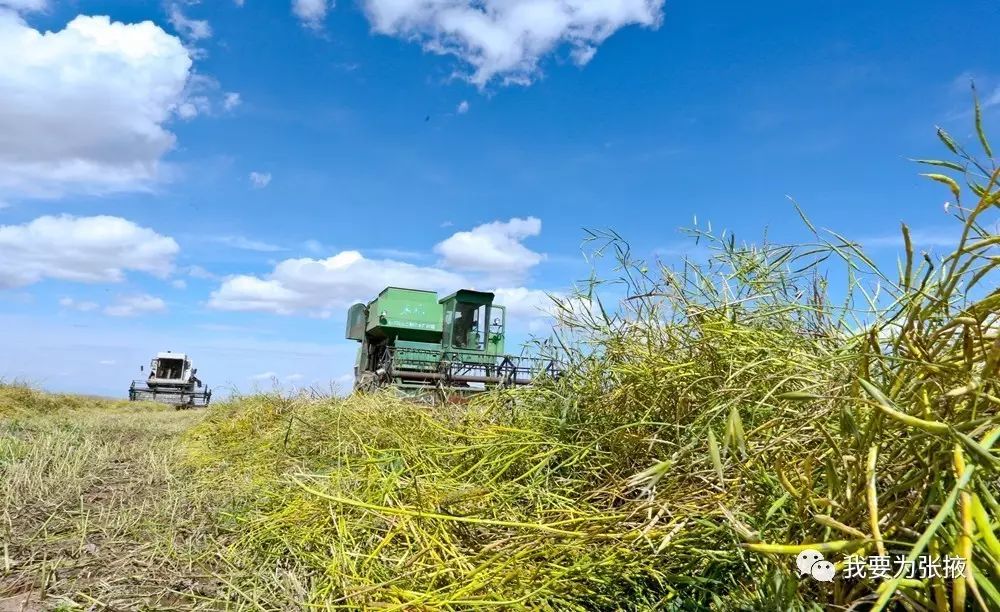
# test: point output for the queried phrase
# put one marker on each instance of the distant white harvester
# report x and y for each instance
(171, 381)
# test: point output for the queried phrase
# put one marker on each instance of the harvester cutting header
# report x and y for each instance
(413, 341)
(171, 381)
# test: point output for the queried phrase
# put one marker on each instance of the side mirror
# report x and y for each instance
(140, 368)
(194, 371)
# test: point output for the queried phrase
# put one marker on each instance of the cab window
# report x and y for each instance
(469, 327)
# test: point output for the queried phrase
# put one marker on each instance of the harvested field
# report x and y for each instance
(728, 415)
(92, 505)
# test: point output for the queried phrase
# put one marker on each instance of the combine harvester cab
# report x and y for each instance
(453, 346)
(171, 381)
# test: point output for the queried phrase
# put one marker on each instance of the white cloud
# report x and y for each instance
(260, 180)
(130, 306)
(83, 109)
(493, 252)
(264, 376)
(194, 29)
(107, 362)
(492, 247)
(24, 5)
(68, 302)
(82, 249)
(522, 302)
(506, 39)
(396, 253)
(178, 283)
(311, 12)
(231, 100)
(190, 109)
(201, 94)
(537, 311)
(315, 247)
(463, 107)
(200, 273)
(246, 244)
(318, 285)
(992, 99)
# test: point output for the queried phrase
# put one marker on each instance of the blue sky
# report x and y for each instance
(224, 178)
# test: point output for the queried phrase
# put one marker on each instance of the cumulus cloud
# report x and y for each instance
(492, 247)
(471, 259)
(311, 12)
(83, 109)
(192, 107)
(537, 311)
(522, 302)
(319, 285)
(82, 249)
(506, 39)
(260, 180)
(133, 305)
(193, 29)
(202, 95)
(463, 107)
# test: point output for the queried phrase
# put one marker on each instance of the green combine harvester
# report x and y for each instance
(417, 343)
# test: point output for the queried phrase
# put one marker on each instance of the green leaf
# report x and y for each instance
(778, 503)
(947, 180)
(734, 432)
(713, 450)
